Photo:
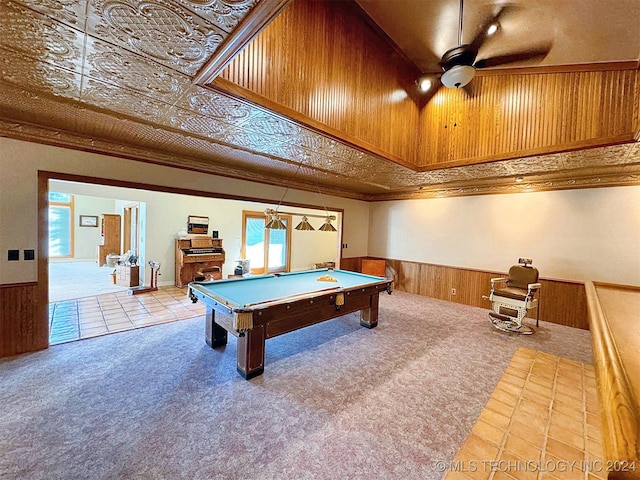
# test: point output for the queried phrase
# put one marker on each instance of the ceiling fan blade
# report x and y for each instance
(481, 36)
(531, 55)
(430, 63)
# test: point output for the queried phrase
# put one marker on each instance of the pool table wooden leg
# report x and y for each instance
(214, 334)
(369, 316)
(251, 352)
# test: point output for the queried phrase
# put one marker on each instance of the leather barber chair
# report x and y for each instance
(513, 296)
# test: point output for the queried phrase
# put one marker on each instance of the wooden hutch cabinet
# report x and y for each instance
(110, 231)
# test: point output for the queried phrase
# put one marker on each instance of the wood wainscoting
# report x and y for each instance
(561, 301)
(21, 326)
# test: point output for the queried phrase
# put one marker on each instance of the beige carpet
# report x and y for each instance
(336, 400)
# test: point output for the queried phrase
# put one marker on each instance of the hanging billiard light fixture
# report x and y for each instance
(276, 223)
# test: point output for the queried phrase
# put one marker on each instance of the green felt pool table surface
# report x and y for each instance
(255, 290)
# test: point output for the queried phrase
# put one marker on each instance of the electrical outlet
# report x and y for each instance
(453, 291)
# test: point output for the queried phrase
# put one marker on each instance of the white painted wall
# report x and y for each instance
(20, 162)
(591, 234)
(85, 239)
(168, 212)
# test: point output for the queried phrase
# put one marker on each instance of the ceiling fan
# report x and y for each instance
(459, 64)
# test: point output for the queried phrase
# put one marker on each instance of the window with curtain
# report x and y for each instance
(267, 250)
(60, 224)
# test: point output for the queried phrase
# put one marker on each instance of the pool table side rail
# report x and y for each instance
(279, 320)
(224, 303)
(311, 294)
(194, 290)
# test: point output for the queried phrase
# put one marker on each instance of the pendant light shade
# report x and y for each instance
(275, 223)
(304, 224)
(327, 227)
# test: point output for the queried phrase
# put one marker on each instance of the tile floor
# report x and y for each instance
(542, 422)
(115, 312)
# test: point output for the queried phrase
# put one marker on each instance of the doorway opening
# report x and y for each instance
(87, 236)
(151, 221)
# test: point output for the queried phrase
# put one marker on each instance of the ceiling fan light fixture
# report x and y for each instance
(458, 76)
(493, 28)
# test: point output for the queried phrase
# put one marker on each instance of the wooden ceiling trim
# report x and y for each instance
(259, 17)
(608, 175)
(544, 69)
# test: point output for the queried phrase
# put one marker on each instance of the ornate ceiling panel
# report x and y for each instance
(70, 12)
(225, 14)
(115, 76)
(41, 76)
(40, 37)
(123, 69)
(159, 30)
(218, 107)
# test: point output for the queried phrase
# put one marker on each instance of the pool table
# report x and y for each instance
(259, 307)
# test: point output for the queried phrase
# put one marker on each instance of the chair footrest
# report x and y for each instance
(498, 316)
(509, 324)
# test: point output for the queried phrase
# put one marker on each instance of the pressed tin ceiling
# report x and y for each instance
(116, 76)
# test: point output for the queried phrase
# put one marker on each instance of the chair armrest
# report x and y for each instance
(534, 286)
(495, 281)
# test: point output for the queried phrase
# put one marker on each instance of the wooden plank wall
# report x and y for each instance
(24, 307)
(512, 115)
(21, 326)
(323, 61)
(561, 301)
(324, 65)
